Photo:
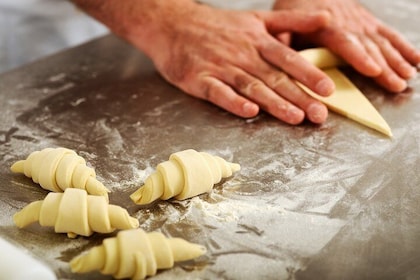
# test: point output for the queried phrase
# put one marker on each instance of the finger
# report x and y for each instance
(393, 57)
(296, 66)
(350, 49)
(390, 82)
(285, 38)
(222, 95)
(282, 85)
(297, 21)
(388, 78)
(314, 110)
(410, 53)
(255, 90)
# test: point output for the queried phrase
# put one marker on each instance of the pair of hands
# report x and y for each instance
(242, 62)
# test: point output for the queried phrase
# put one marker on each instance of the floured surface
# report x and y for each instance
(332, 201)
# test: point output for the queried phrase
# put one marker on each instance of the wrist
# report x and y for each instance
(148, 25)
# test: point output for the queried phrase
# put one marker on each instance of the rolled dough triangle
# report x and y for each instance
(347, 99)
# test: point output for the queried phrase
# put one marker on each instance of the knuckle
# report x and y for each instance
(291, 58)
(210, 91)
(342, 37)
(253, 88)
(241, 82)
(278, 80)
(375, 39)
(214, 91)
(247, 85)
(348, 38)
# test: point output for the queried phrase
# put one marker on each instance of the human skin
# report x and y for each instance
(233, 59)
(367, 44)
(229, 58)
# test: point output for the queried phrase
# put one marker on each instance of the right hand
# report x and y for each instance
(369, 45)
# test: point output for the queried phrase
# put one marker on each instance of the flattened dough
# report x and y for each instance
(347, 99)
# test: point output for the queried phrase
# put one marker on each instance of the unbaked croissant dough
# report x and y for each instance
(322, 58)
(136, 254)
(347, 99)
(76, 213)
(57, 169)
(186, 174)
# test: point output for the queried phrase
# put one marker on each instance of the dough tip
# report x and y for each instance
(18, 166)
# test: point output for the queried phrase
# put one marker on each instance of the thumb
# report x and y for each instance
(294, 21)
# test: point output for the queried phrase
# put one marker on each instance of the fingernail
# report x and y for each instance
(416, 73)
(399, 85)
(411, 72)
(418, 58)
(317, 113)
(375, 68)
(250, 109)
(325, 87)
(294, 115)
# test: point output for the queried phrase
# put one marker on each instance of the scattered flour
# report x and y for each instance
(230, 210)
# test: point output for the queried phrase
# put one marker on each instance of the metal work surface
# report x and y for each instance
(337, 201)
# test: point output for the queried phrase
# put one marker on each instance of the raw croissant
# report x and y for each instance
(186, 174)
(57, 169)
(75, 212)
(136, 254)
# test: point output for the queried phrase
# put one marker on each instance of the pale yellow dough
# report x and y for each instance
(347, 99)
(136, 254)
(186, 174)
(322, 58)
(76, 213)
(57, 169)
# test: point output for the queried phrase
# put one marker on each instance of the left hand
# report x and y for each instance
(371, 47)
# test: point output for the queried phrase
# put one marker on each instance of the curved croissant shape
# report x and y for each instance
(57, 169)
(136, 254)
(76, 213)
(186, 174)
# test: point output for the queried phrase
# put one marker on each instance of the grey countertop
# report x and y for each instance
(337, 201)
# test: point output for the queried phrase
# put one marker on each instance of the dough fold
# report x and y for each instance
(136, 254)
(57, 169)
(76, 213)
(186, 174)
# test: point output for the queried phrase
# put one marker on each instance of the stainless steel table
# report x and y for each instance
(337, 201)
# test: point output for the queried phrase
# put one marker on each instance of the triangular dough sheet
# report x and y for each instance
(347, 99)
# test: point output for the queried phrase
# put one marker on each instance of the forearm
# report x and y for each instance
(145, 24)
